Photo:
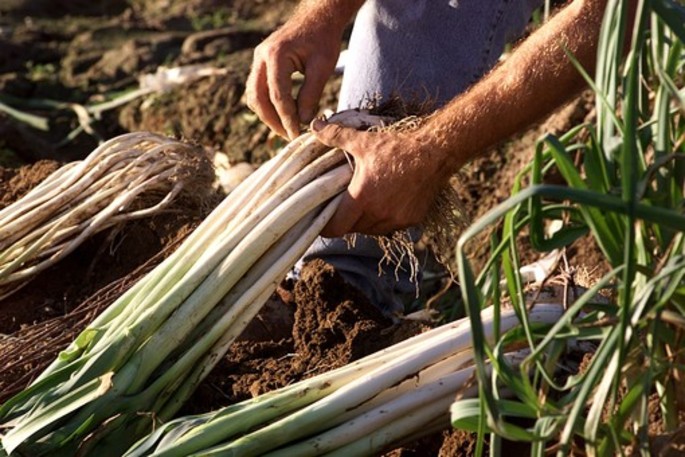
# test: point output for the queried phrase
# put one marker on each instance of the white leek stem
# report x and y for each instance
(252, 245)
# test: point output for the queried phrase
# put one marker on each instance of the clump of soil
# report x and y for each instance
(205, 109)
(334, 323)
(16, 182)
(327, 325)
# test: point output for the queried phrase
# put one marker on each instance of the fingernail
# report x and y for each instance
(291, 129)
(318, 124)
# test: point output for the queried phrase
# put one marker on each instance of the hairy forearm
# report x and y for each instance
(334, 13)
(532, 82)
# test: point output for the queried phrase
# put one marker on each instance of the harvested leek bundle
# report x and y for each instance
(141, 358)
(359, 409)
(131, 176)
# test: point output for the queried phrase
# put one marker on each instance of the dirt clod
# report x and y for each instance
(331, 325)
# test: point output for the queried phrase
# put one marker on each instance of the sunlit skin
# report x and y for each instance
(397, 175)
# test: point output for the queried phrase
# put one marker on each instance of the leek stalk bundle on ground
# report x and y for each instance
(401, 392)
(141, 358)
(129, 177)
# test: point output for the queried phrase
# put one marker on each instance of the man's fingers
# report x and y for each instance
(344, 219)
(348, 214)
(279, 75)
(257, 98)
(310, 92)
(334, 135)
(349, 219)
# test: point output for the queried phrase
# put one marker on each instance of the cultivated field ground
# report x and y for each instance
(59, 52)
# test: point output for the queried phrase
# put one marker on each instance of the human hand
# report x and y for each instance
(397, 176)
(304, 44)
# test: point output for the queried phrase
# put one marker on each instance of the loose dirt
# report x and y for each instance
(324, 325)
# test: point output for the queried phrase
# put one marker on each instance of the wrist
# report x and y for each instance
(441, 148)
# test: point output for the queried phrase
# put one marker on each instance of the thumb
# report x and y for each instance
(334, 135)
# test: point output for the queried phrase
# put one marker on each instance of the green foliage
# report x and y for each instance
(38, 72)
(629, 195)
(220, 17)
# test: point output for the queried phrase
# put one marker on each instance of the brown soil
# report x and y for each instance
(328, 324)
(488, 180)
(15, 182)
